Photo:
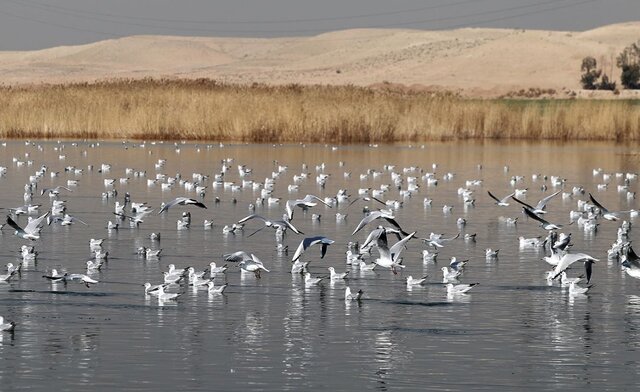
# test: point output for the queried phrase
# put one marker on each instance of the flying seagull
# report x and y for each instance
(501, 202)
(31, 231)
(543, 223)
(310, 241)
(308, 201)
(182, 201)
(540, 207)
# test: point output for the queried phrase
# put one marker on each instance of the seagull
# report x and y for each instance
(310, 241)
(501, 202)
(182, 201)
(574, 289)
(415, 282)
(450, 274)
(454, 289)
(380, 214)
(81, 277)
(6, 327)
(606, 214)
(367, 267)
(457, 265)
(540, 207)
(253, 265)
(543, 223)
(305, 203)
(55, 276)
(390, 257)
(491, 254)
(216, 290)
(631, 263)
(8, 276)
(570, 258)
(337, 276)
(213, 269)
(31, 231)
(162, 296)
(151, 289)
(348, 296)
(54, 191)
(437, 241)
(237, 257)
(309, 281)
(284, 224)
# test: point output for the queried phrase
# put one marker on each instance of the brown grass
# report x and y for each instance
(207, 110)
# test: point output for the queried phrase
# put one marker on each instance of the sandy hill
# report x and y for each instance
(476, 61)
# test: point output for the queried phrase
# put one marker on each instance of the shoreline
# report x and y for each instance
(207, 110)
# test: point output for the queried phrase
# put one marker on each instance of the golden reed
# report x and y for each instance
(207, 110)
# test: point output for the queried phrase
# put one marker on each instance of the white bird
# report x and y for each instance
(415, 282)
(504, 202)
(570, 258)
(253, 265)
(367, 267)
(6, 327)
(390, 257)
(31, 231)
(606, 214)
(54, 191)
(163, 296)
(309, 281)
(491, 254)
(454, 289)
(574, 289)
(310, 241)
(81, 277)
(213, 269)
(337, 276)
(151, 289)
(541, 206)
(216, 289)
(543, 223)
(450, 274)
(379, 214)
(284, 224)
(181, 201)
(348, 296)
(305, 203)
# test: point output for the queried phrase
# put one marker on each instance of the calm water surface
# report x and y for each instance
(512, 332)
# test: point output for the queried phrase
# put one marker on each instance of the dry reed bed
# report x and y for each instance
(206, 110)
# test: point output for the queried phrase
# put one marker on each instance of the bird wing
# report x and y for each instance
(532, 215)
(32, 227)
(383, 246)
(397, 248)
(594, 201)
(13, 224)
(252, 216)
(543, 202)
(522, 202)
(588, 266)
(170, 204)
(395, 224)
(301, 248)
(237, 256)
(493, 197)
(373, 236)
(310, 198)
(366, 220)
(289, 207)
(292, 227)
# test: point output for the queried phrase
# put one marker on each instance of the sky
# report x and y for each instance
(36, 24)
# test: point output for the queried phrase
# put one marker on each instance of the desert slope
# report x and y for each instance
(476, 61)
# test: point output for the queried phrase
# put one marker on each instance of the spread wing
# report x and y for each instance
(543, 202)
(594, 201)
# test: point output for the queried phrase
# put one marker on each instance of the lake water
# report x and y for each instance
(511, 332)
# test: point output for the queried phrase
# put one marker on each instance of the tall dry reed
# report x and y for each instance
(207, 110)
